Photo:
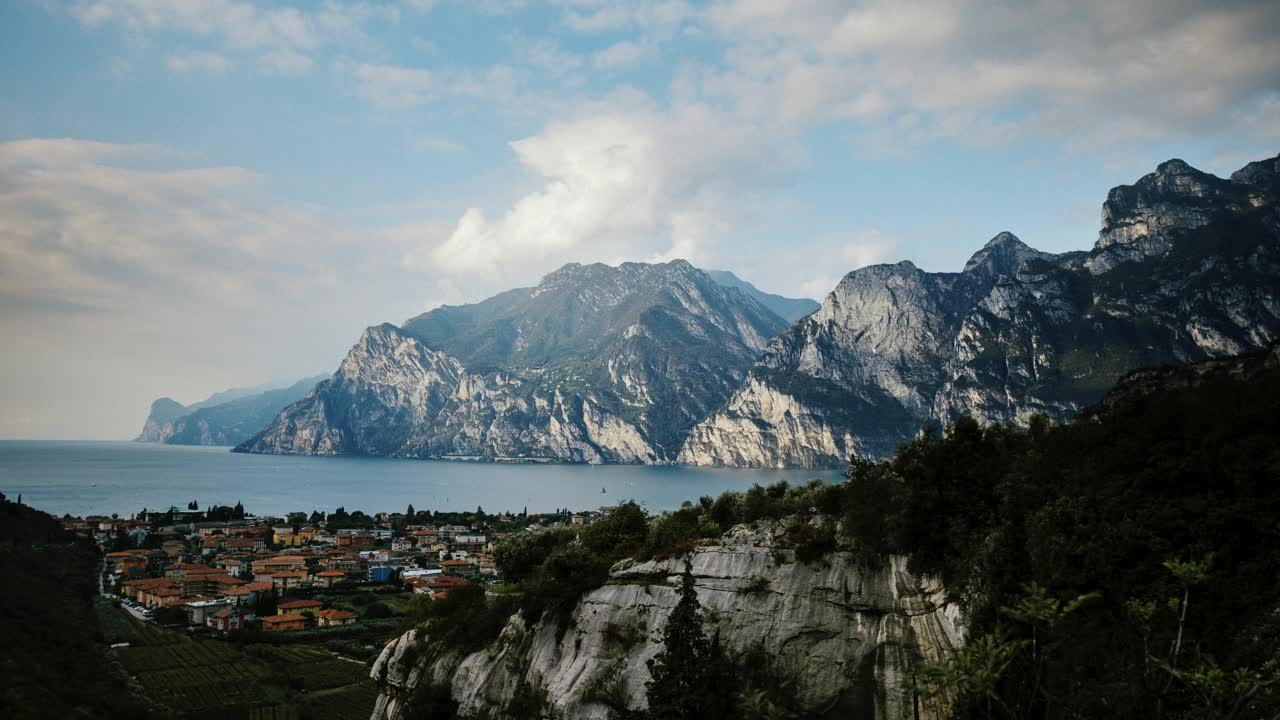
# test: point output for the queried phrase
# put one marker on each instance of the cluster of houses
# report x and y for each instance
(219, 573)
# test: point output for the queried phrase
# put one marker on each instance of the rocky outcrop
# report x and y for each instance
(848, 637)
(596, 364)
(1185, 267)
(159, 424)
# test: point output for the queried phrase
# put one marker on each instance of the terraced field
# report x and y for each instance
(201, 679)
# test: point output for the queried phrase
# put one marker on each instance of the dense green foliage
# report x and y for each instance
(465, 619)
(1122, 565)
(49, 661)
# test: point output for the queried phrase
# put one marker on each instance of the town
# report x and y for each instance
(220, 570)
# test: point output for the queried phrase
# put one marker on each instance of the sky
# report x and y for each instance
(201, 194)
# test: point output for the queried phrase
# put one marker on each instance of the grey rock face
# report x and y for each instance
(595, 364)
(1185, 267)
(159, 423)
(848, 637)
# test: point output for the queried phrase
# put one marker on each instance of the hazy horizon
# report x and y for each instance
(197, 196)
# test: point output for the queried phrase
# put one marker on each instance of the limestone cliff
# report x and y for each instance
(595, 364)
(848, 637)
(1185, 267)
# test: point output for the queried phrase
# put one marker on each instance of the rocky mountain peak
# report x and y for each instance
(596, 363)
(1172, 200)
(1263, 175)
(894, 349)
(1175, 166)
(1002, 255)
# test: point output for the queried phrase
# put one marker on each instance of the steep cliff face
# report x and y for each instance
(847, 637)
(226, 418)
(595, 364)
(160, 419)
(1185, 267)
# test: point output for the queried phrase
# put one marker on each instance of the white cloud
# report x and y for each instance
(207, 62)
(168, 279)
(620, 180)
(285, 62)
(620, 54)
(603, 16)
(544, 53)
(1100, 71)
(283, 37)
(395, 87)
(436, 144)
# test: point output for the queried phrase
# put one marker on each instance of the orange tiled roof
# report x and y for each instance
(331, 573)
(299, 605)
(225, 579)
(445, 581)
(150, 583)
(274, 619)
(334, 614)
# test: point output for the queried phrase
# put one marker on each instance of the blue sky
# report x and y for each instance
(203, 193)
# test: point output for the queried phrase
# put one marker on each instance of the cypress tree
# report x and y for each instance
(682, 676)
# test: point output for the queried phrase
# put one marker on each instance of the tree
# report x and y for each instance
(623, 532)
(687, 676)
(409, 513)
(519, 555)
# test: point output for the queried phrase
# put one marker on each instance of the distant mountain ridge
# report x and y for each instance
(1186, 267)
(789, 309)
(226, 418)
(594, 364)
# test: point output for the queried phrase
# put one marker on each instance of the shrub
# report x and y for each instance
(466, 619)
(377, 611)
(811, 543)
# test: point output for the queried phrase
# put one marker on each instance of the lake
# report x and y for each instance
(91, 478)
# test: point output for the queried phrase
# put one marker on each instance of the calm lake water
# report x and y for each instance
(84, 478)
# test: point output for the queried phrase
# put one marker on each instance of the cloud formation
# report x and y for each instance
(128, 273)
(170, 272)
(1105, 72)
(624, 181)
(281, 37)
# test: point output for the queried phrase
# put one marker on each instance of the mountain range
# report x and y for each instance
(1185, 267)
(594, 364)
(656, 363)
(226, 418)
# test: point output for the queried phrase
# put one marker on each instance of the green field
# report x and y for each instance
(201, 678)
